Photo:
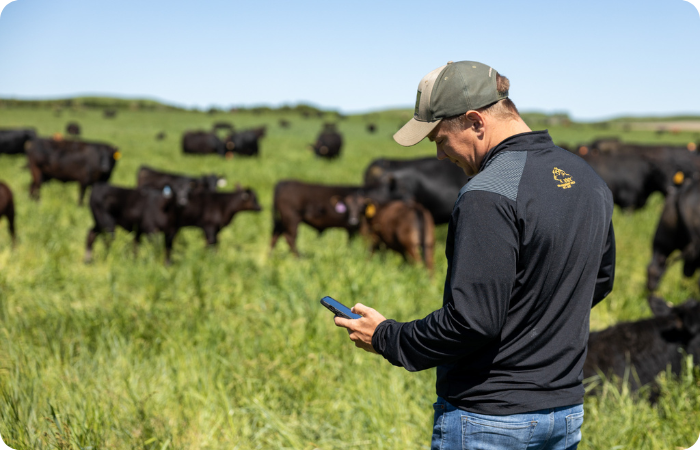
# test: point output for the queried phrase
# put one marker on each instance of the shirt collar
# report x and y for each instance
(531, 140)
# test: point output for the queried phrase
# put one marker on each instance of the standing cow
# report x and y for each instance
(202, 142)
(7, 209)
(212, 211)
(329, 143)
(433, 183)
(246, 142)
(405, 227)
(84, 162)
(144, 211)
(13, 142)
(678, 229)
(320, 206)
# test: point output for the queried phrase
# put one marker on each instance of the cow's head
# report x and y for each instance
(249, 201)
(181, 188)
(686, 315)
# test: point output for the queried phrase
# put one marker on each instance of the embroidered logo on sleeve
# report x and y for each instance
(564, 179)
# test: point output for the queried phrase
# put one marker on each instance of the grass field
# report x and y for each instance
(230, 348)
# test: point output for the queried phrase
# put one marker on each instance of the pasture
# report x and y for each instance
(229, 348)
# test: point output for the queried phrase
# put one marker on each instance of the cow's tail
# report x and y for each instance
(427, 236)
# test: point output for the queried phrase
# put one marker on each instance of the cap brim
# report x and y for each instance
(414, 131)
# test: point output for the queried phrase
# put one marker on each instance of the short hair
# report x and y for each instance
(503, 109)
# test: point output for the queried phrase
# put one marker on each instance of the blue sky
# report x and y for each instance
(594, 59)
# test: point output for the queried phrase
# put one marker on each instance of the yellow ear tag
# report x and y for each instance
(692, 146)
(117, 156)
(370, 211)
(678, 178)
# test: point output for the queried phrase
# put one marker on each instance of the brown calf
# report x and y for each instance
(405, 227)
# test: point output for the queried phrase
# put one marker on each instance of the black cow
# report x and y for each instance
(246, 142)
(212, 211)
(371, 128)
(678, 229)
(202, 142)
(109, 113)
(283, 123)
(73, 128)
(12, 142)
(328, 144)
(181, 185)
(7, 209)
(649, 345)
(222, 126)
(143, 210)
(160, 136)
(320, 206)
(433, 183)
(64, 160)
(631, 178)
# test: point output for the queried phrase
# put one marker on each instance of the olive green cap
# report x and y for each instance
(447, 91)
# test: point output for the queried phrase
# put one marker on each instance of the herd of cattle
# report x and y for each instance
(396, 207)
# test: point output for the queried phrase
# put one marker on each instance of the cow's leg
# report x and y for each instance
(35, 185)
(82, 194)
(137, 242)
(290, 234)
(169, 238)
(92, 235)
(11, 223)
(211, 236)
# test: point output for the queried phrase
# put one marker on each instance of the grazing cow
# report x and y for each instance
(246, 142)
(371, 128)
(202, 142)
(328, 144)
(73, 128)
(405, 227)
(433, 183)
(212, 211)
(631, 178)
(678, 229)
(109, 113)
(7, 209)
(160, 136)
(284, 123)
(649, 345)
(144, 211)
(12, 142)
(181, 185)
(320, 206)
(64, 160)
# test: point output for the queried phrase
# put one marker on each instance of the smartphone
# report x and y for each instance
(338, 308)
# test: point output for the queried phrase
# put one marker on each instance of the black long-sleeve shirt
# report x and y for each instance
(530, 250)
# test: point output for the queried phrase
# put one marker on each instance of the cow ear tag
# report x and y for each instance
(340, 208)
(370, 211)
(221, 182)
(167, 192)
(678, 178)
(117, 156)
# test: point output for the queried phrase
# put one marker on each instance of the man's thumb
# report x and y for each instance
(361, 309)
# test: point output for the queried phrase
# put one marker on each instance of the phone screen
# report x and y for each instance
(338, 308)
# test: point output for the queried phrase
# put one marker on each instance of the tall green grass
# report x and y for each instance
(229, 348)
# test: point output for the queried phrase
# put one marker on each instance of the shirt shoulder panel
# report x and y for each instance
(501, 176)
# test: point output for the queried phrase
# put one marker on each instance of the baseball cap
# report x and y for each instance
(449, 90)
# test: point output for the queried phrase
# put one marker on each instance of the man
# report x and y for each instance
(530, 249)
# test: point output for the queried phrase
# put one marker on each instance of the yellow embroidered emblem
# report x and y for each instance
(563, 178)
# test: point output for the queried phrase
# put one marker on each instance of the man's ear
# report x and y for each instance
(476, 120)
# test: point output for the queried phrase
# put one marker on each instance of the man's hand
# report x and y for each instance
(361, 330)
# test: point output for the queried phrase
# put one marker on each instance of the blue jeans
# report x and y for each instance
(548, 429)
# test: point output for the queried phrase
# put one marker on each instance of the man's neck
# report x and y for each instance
(506, 130)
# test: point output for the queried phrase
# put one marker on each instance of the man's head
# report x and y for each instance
(464, 108)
